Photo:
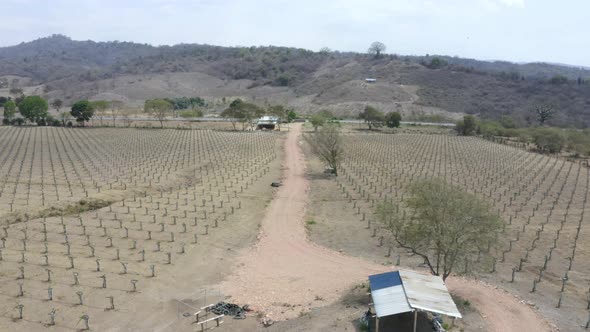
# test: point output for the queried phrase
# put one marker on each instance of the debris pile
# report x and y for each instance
(229, 309)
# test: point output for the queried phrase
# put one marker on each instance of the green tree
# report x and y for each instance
(549, 140)
(317, 120)
(327, 144)
(467, 126)
(436, 63)
(33, 108)
(240, 111)
(393, 119)
(82, 111)
(100, 107)
(291, 116)
(444, 225)
(158, 108)
(372, 117)
(9, 110)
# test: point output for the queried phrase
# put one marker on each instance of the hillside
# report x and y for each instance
(58, 67)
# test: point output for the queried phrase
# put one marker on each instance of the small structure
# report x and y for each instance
(267, 122)
(370, 80)
(404, 291)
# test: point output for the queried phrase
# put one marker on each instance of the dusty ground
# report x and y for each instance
(287, 274)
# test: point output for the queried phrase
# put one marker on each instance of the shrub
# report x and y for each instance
(190, 114)
(18, 121)
(548, 140)
(5, 122)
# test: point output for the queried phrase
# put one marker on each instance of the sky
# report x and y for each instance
(514, 30)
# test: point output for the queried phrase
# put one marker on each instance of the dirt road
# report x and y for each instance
(285, 274)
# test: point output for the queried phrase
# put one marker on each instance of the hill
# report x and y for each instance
(58, 67)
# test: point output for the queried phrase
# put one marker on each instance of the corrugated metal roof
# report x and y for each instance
(404, 291)
(389, 297)
(429, 293)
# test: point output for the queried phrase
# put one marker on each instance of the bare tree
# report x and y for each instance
(444, 225)
(377, 48)
(116, 106)
(327, 144)
(544, 113)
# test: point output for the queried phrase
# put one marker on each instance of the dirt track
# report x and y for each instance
(285, 274)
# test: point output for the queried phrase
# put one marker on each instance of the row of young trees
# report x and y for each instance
(35, 110)
(245, 113)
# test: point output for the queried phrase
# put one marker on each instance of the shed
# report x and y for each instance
(267, 122)
(403, 291)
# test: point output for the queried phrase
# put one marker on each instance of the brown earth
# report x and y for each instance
(287, 275)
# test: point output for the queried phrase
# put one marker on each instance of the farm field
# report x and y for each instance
(541, 199)
(127, 228)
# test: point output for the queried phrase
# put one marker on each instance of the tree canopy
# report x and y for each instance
(82, 111)
(159, 108)
(444, 225)
(9, 110)
(377, 48)
(373, 117)
(240, 111)
(33, 108)
(57, 104)
(467, 126)
(393, 120)
(317, 120)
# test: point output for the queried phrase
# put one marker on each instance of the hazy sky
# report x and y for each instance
(516, 30)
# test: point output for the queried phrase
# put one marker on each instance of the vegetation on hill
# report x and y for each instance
(72, 70)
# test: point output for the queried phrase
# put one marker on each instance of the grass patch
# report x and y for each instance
(75, 208)
(462, 304)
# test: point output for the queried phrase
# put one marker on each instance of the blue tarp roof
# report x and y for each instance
(384, 280)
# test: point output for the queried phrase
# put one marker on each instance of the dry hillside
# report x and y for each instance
(58, 67)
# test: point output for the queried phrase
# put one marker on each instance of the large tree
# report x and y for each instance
(317, 120)
(373, 117)
(33, 108)
(393, 120)
(467, 126)
(240, 111)
(159, 108)
(327, 144)
(100, 107)
(444, 225)
(82, 111)
(57, 104)
(377, 48)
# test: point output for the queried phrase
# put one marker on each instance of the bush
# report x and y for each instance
(41, 122)
(190, 114)
(18, 121)
(549, 140)
(69, 124)
(5, 122)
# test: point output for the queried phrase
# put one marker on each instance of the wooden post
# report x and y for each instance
(415, 319)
